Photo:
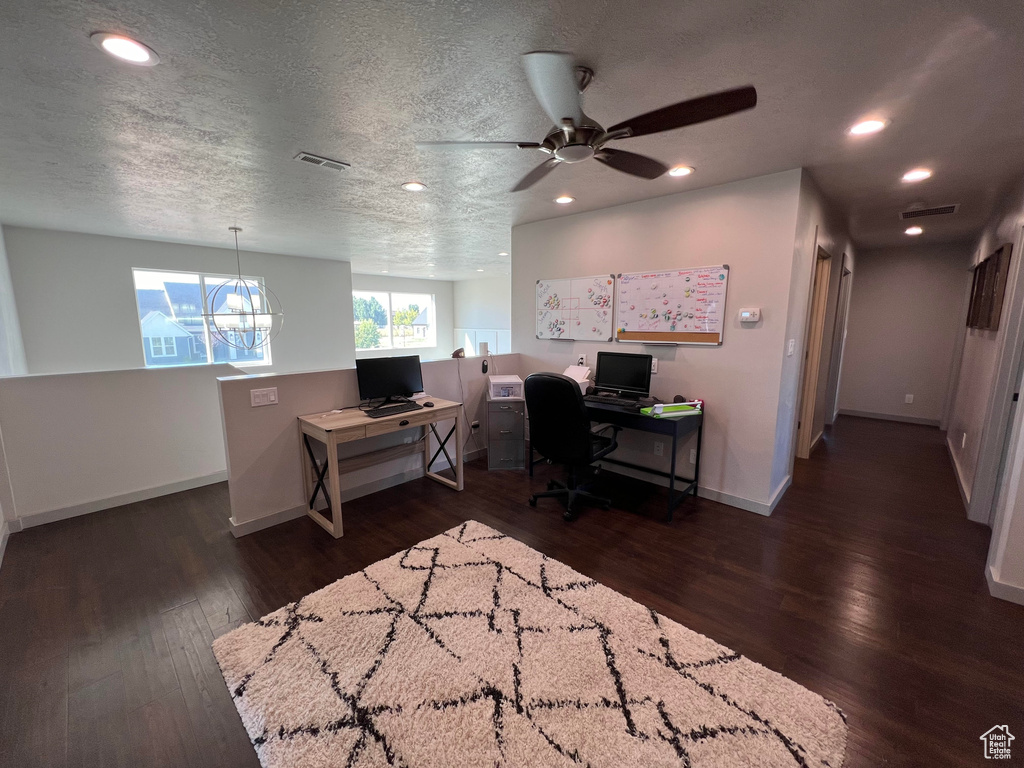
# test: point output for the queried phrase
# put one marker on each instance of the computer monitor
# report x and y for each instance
(623, 373)
(389, 377)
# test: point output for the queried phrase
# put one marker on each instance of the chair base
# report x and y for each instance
(569, 497)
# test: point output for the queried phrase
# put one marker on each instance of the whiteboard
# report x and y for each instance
(576, 308)
(673, 306)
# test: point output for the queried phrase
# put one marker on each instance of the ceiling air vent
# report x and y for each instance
(323, 162)
(939, 210)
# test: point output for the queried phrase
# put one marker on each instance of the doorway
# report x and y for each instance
(805, 436)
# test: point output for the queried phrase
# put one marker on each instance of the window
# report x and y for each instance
(162, 346)
(384, 320)
(174, 331)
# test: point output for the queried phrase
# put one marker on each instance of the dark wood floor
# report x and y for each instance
(866, 585)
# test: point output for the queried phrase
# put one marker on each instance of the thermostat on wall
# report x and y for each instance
(750, 314)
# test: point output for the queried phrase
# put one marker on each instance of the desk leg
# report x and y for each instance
(307, 468)
(460, 436)
(334, 479)
(672, 475)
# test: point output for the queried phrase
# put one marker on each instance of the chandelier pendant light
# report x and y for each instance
(243, 314)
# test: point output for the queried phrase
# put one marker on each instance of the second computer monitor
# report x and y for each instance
(623, 373)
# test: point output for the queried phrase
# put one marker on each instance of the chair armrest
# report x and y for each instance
(605, 427)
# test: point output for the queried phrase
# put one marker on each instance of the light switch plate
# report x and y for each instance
(654, 365)
(792, 346)
(261, 397)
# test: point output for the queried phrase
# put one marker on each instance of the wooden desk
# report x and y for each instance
(676, 428)
(334, 427)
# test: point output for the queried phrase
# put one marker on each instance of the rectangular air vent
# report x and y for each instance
(939, 210)
(323, 162)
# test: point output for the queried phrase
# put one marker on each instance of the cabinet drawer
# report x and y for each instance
(506, 454)
(394, 423)
(505, 426)
(497, 406)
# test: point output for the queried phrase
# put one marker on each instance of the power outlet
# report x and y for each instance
(790, 347)
(693, 455)
(908, 398)
(261, 397)
(654, 365)
(659, 448)
(581, 360)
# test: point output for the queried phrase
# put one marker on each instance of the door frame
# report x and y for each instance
(838, 341)
(816, 311)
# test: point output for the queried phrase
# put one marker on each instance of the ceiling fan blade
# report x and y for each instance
(631, 163)
(690, 112)
(552, 76)
(477, 144)
(536, 174)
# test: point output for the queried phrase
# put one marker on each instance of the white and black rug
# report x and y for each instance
(471, 649)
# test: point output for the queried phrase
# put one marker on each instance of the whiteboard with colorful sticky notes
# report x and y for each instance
(576, 308)
(672, 306)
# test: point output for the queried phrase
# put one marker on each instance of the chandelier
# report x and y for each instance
(240, 313)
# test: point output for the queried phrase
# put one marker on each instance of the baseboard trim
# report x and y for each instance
(65, 513)
(889, 417)
(347, 494)
(1001, 590)
(5, 534)
(779, 493)
(965, 497)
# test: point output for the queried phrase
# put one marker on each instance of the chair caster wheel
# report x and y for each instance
(551, 485)
(533, 501)
(568, 516)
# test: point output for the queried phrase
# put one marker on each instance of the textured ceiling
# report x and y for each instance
(206, 139)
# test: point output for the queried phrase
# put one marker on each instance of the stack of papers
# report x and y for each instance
(578, 373)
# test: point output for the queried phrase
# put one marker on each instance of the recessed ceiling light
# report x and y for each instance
(915, 230)
(866, 127)
(681, 170)
(384, 271)
(125, 49)
(479, 270)
(414, 186)
(918, 174)
(503, 253)
(429, 275)
(431, 264)
(564, 200)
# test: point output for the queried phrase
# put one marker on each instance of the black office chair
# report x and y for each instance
(560, 432)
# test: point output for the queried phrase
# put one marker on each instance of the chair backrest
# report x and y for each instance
(559, 424)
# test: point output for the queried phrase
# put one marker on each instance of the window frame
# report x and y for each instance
(366, 293)
(203, 309)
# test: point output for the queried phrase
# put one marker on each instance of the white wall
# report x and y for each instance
(75, 443)
(442, 290)
(484, 303)
(748, 225)
(264, 465)
(969, 413)
(76, 299)
(12, 351)
(816, 226)
(904, 320)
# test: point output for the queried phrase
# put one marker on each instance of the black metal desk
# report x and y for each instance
(676, 428)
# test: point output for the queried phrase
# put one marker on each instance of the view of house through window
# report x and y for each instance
(174, 331)
(386, 320)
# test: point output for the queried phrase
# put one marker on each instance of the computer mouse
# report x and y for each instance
(428, 404)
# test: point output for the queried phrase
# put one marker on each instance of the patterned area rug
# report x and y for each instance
(471, 649)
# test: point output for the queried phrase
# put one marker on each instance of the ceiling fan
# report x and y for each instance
(558, 83)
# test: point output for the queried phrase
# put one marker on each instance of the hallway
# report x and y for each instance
(866, 585)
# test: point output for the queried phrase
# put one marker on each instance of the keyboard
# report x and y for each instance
(391, 410)
(622, 402)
